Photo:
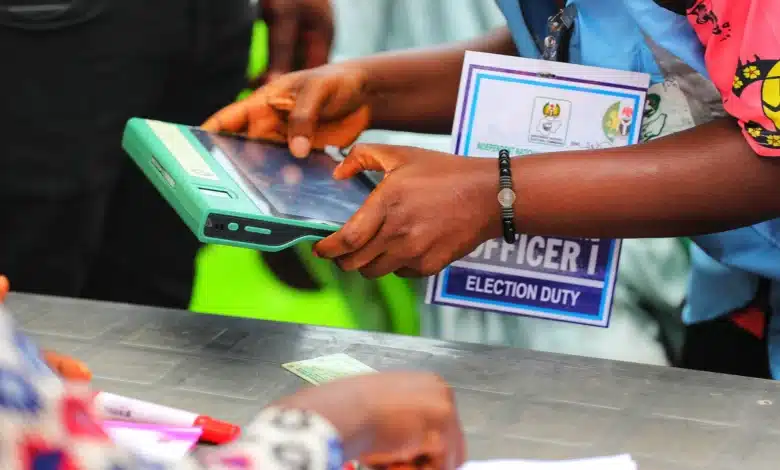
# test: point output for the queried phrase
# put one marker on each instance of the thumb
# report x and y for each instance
(370, 157)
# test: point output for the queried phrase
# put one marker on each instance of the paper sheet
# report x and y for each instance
(619, 462)
(326, 368)
(165, 443)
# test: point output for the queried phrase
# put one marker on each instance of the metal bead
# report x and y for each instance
(506, 197)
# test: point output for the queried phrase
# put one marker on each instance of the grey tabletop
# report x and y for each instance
(513, 403)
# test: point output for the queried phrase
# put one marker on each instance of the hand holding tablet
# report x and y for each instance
(432, 208)
(308, 110)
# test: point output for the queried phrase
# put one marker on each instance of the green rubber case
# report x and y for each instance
(211, 202)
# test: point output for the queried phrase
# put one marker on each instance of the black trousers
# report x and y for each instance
(734, 344)
(723, 347)
(78, 218)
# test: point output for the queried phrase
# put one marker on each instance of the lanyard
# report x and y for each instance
(550, 27)
(555, 46)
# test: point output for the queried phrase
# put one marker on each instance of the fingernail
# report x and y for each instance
(300, 146)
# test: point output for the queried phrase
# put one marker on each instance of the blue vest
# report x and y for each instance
(617, 34)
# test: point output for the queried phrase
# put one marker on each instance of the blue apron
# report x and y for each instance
(627, 35)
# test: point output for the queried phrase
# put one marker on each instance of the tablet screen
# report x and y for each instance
(302, 189)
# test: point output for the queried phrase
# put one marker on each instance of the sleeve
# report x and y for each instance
(45, 423)
(283, 439)
(742, 55)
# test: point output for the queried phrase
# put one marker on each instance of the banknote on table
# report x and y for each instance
(326, 368)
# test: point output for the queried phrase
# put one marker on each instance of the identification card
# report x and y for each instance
(323, 369)
(527, 107)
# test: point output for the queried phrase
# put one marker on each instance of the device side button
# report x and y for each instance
(232, 226)
(257, 230)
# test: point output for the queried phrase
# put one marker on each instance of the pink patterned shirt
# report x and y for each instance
(742, 43)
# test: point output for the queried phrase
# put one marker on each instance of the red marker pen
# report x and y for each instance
(119, 408)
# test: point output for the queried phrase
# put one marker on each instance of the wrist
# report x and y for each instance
(387, 91)
(485, 179)
(375, 93)
(361, 76)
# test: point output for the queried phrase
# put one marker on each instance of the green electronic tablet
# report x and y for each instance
(232, 190)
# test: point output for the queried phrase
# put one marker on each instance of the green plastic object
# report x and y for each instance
(211, 196)
(258, 55)
(235, 282)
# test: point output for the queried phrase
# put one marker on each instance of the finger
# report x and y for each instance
(317, 46)
(284, 102)
(368, 255)
(283, 30)
(67, 367)
(407, 272)
(304, 116)
(4, 287)
(232, 118)
(359, 230)
(318, 39)
(384, 264)
(368, 157)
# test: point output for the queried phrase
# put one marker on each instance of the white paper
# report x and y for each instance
(620, 462)
(526, 107)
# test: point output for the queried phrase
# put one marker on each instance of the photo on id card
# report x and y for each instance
(529, 107)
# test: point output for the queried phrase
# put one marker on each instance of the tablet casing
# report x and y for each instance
(204, 195)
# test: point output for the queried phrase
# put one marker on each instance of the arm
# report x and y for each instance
(416, 91)
(709, 179)
(434, 208)
(412, 91)
(704, 180)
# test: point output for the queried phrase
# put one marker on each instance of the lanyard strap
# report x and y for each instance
(550, 27)
(559, 27)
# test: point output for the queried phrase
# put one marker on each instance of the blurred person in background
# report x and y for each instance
(79, 219)
(646, 325)
(49, 421)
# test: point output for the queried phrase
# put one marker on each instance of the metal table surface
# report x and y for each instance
(514, 403)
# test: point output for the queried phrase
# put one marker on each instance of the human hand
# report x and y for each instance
(307, 109)
(390, 419)
(430, 209)
(300, 35)
(64, 366)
